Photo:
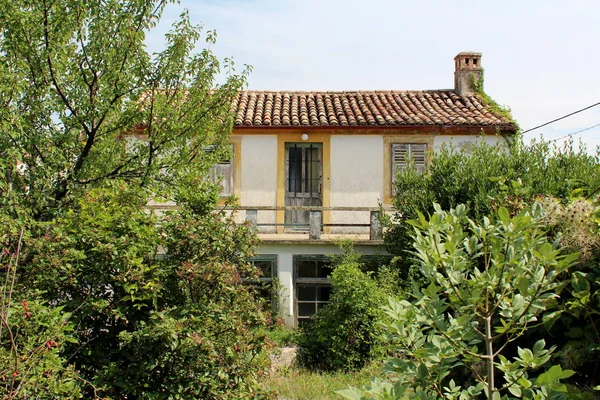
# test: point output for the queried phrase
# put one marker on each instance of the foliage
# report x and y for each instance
(487, 178)
(92, 129)
(182, 324)
(488, 284)
(31, 335)
(576, 227)
(345, 335)
(475, 176)
(78, 84)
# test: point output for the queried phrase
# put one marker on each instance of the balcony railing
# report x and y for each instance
(315, 227)
(362, 221)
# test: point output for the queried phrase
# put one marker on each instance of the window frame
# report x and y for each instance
(219, 179)
(316, 282)
(261, 282)
(388, 160)
(235, 162)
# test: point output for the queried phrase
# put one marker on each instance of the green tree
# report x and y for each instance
(78, 83)
(487, 284)
(565, 180)
(92, 128)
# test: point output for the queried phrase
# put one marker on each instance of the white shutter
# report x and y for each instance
(405, 153)
(418, 152)
(222, 174)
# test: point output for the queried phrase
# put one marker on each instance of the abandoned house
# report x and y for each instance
(311, 167)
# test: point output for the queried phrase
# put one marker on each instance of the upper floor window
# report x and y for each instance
(221, 173)
(405, 154)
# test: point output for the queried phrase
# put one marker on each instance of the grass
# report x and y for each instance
(300, 384)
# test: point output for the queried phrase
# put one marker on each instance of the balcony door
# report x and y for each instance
(304, 171)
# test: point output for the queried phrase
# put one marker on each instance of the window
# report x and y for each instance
(312, 285)
(405, 154)
(222, 174)
(267, 263)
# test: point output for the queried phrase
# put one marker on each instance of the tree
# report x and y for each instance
(487, 284)
(78, 83)
(565, 181)
(92, 128)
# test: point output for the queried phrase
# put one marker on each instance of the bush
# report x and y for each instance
(487, 178)
(345, 335)
(181, 323)
(487, 285)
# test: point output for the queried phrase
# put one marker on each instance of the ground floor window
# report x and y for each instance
(312, 285)
(265, 286)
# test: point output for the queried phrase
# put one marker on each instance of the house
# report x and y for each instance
(311, 167)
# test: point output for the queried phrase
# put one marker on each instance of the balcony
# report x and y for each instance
(322, 224)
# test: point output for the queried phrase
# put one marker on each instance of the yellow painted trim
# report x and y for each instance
(387, 158)
(236, 142)
(282, 139)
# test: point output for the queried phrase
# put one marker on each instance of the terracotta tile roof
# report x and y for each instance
(363, 108)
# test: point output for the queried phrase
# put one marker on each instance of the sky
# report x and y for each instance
(540, 57)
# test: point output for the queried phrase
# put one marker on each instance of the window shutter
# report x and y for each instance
(404, 153)
(222, 173)
(418, 154)
(400, 154)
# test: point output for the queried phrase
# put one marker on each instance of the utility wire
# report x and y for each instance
(575, 133)
(563, 117)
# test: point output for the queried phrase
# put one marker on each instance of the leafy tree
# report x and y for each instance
(92, 128)
(487, 284)
(77, 84)
(487, 178)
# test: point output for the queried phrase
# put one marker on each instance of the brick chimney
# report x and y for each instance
(467, 71)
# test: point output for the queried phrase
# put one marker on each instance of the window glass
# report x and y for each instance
(263, 286)
(313, 287)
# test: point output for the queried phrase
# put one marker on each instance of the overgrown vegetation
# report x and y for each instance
(486, 285)
(487, 179)
(345, 335)
(101, 298)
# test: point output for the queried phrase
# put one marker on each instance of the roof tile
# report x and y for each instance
(364, 108)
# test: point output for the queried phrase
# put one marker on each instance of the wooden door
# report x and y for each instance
(303, 181)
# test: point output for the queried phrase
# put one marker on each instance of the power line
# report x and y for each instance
(575, 133)
(563, 117)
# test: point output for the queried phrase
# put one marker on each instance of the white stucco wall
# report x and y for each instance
(356, 177)
(464, 141)
(259, 175)
(285, 267)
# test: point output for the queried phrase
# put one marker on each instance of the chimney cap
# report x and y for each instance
(467, 54)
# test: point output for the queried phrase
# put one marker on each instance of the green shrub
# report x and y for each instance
(487, 285)
(345, 335)
(182, 323)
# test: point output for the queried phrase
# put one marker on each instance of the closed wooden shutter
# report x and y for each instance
(404, 154)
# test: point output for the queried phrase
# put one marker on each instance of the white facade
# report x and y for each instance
(355, 172)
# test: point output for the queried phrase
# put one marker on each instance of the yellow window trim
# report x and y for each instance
(313, 137)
